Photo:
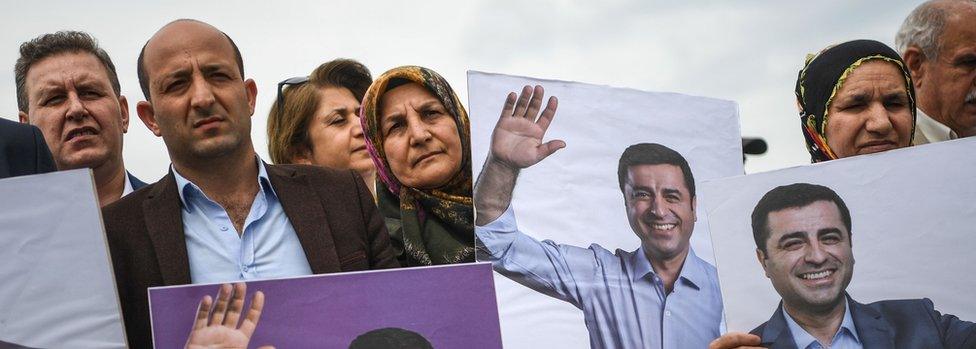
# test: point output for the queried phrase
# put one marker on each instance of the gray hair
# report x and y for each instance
(923, 27)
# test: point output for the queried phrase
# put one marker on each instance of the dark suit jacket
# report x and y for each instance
(135, 182)
(22, 150)
(910, 323)
(332, 212)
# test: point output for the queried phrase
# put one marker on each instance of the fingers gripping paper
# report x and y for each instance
(57, 289)
(573, 198)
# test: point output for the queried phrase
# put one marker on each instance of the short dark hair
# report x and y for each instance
(390, 338)
(795, 195)
(141, 66)
(653, 154)
(47, 45)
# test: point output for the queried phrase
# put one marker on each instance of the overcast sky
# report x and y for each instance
(745, 51)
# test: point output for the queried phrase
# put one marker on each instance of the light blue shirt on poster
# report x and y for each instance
(268, 248)
(624, 302)
(845, 338)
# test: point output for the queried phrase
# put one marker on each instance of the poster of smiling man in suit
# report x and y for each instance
(910, 239)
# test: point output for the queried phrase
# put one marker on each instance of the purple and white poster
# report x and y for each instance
(442, 307)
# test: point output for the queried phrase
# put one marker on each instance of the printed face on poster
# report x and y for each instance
(910, 235)
(439, 307)
(51, 236)
(577, 198)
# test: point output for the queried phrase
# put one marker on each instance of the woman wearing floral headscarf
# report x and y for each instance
(417, 133)
(855, 98)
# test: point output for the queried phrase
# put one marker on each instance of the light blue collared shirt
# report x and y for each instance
(624, 302)
(268, 248)
(845, 338)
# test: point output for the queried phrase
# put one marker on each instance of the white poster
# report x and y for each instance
(912, 235)
(58, 289)
(573, 197)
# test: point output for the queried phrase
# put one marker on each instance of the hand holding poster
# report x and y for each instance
(624, 149)
(786, 243)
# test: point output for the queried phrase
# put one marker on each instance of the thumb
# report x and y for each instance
(267, 347)
(550, 147)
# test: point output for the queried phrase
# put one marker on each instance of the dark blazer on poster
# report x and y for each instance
(22, 150)
(332, 212)
(910, 323)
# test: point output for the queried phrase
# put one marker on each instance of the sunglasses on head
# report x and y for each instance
(298, 80)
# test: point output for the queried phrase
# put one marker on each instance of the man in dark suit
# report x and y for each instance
(910, 323)
(22, 150)
(67, 87)
(803, 241)
(222, 214)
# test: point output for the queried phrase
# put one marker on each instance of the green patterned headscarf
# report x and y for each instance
(428, 226)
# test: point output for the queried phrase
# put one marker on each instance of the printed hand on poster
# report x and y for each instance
(216, 325)
(516, 144)
(517, 141)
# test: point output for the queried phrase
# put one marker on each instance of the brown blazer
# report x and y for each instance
(332, 212)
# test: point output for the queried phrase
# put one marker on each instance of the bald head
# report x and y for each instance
(177, 31)
(200, 103)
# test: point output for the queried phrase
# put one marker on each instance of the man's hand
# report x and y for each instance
(516, 143)
(737, 340)
(517, 139)
(216, 326)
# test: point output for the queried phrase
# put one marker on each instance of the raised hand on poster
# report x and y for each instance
(516, 143)
(216, 325)
(517, 139)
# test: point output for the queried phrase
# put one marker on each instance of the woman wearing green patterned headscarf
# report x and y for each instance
(417, 133)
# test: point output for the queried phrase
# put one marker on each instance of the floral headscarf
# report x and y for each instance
(428, 226)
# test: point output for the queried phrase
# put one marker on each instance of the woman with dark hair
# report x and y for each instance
(855, 98)
(417, 133)
(315, 119)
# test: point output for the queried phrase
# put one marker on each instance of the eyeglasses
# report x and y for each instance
(298, 80)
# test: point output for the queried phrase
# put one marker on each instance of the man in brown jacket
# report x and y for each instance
(222, 214)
